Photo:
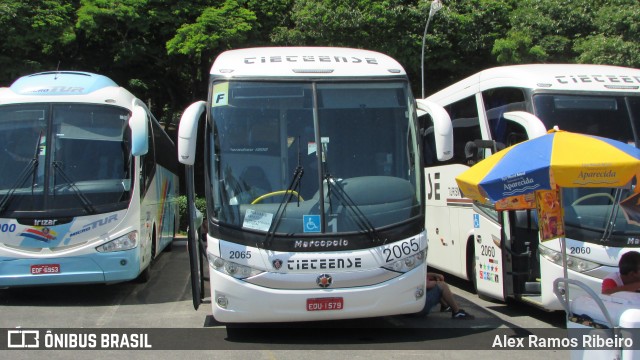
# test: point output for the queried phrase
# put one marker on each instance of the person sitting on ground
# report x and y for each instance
(438, 292)
(628, 276)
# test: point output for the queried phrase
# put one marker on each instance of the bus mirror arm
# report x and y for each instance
(486, 144)
(443, 129)
(188, 132)
(532, 123)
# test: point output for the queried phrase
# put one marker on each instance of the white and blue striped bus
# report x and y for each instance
(88, 182)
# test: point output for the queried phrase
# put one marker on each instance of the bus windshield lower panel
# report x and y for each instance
(312, 159)
(594, 215)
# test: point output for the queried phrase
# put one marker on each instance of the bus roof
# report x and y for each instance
(60, 86)
(304, 62)
(561, 77)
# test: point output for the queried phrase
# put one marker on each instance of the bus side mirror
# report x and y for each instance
(442, 128)
(139, 131)
(532, 123)
(188, 132)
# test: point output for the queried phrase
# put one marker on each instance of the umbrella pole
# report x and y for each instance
(563, 248)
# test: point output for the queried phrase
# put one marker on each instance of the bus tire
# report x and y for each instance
(472, 266)
(145, 275)
(169, 246)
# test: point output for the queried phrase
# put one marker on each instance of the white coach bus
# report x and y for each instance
(314, 186)
(501, 252)
(88, 182)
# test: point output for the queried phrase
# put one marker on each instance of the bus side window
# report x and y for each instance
(148, 164)
(497, 102)
(466, 128)
(516, 134)
(428, 140)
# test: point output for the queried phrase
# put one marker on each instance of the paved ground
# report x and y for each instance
(164, 305)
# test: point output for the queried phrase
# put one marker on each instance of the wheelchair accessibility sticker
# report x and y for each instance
(311, 223)
(476, 221)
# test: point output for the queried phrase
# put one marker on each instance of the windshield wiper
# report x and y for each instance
(359, 217)
(289, 193)
(611, 222)
(86, 203)
(24, 174)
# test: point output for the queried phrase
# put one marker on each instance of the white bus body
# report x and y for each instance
(290, 121)
(507, 105)
(73, 208)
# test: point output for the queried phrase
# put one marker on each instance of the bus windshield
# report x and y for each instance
(67, 159)
(612, 116)
(594, 215)
(276, 144)
(590, 214)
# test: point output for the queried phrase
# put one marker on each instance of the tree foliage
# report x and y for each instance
(584, 31)
(162, 50)
(34, 35)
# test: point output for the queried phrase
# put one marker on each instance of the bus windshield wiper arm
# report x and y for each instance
(24, 174)
(611, 220)
(289, 193)
(86, 203)
(359, 217)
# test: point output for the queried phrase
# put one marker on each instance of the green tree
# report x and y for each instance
(463, 35)
(126, 41)
(270, 14)
(616, 38)
(217, 28)
(389, 26)
(587, 31)
(34, 35)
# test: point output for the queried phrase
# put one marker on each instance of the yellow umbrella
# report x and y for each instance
(558, 159)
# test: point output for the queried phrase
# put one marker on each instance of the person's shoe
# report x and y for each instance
(462, 315)
(445, 308)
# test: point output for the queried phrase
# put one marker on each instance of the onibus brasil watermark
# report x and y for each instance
(48, 339)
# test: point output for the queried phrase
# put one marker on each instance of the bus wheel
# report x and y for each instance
(145, 275)
(169, 246)
(472, 270)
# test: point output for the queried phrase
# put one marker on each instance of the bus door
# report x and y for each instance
(187, 135)
(488, 262)
(521, 245)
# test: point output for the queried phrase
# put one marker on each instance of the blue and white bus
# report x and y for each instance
(88, 182)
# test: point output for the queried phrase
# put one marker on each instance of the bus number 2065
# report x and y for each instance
(405, 248)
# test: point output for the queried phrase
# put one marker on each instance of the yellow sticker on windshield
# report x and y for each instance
(220, 95)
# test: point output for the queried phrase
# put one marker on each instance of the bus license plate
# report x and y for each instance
(45, 269)
(322, 304)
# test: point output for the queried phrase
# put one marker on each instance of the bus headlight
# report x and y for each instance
(573, 263)
(124, 242)
(230, 268)
(408, 263)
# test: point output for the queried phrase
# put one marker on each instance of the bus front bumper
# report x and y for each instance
(245, 302)
(551, 271)
(93, 268)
